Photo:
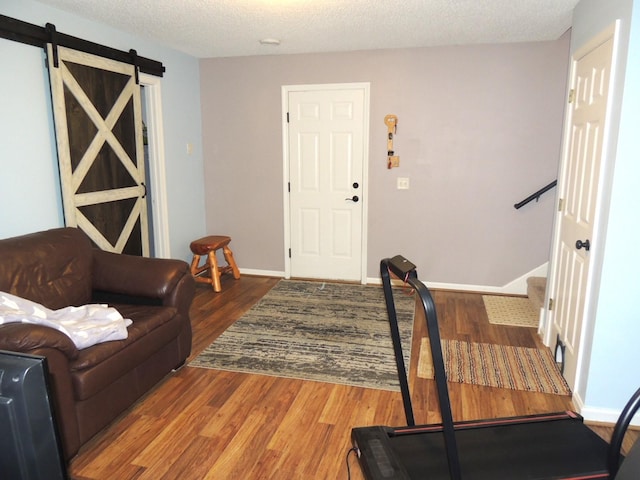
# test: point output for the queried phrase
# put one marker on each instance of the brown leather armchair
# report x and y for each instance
(91, 387)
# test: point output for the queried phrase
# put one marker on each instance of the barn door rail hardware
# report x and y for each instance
(30, 34)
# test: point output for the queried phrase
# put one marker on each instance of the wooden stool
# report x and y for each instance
(208, 246)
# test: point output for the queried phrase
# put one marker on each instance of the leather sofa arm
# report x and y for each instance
(142, 280)
(23, 337)
(60, 351)
(63, 398)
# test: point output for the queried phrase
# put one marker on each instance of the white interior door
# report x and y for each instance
(327, 137)
(579, 187)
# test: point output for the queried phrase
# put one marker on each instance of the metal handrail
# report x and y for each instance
(535, 196)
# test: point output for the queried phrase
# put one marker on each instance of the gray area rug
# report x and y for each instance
(327, 332)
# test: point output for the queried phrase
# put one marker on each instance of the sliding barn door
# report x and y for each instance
(97, 111)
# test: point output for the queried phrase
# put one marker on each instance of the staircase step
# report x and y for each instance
(536, 289)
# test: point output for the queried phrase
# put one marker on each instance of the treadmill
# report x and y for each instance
(549, 446)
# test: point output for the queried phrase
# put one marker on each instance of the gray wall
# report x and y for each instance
(479, 129)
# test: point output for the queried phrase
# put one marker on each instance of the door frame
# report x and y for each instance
(157, 166)
(599, 227)
(285, 90)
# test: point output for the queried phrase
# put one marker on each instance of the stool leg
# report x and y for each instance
(215, 271)
(228, 256)
(194, 265)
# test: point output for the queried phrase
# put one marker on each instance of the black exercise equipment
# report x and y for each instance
(549, 446)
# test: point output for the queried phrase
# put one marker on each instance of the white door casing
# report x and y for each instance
(157, 171)
(94, 210)
(325, 143)
(579, 205)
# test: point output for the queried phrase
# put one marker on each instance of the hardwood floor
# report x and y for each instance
(207, 424)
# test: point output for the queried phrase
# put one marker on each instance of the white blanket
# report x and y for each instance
(85, 325)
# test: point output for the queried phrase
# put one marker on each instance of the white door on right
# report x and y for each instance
(579, 188)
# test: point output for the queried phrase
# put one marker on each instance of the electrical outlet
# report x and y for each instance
(403, 183)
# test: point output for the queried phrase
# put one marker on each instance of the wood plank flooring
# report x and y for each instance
(206, 424)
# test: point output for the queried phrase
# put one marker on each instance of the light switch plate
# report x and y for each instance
(403, 183)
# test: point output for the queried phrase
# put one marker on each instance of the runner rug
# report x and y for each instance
(501, 366)
(515, 311)
(327, 332)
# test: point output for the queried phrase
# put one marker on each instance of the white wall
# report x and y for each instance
(612, 374)
(29, 185)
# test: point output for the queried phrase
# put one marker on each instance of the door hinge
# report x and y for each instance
(560, 204)
(550, 304)
(572, 95)
(289, 253)
(287, 117)
(289, 187)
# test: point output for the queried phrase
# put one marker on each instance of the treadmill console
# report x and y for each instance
(400, 266)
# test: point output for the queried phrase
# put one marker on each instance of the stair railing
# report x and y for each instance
(535, 196)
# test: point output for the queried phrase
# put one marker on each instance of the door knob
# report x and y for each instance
(355, 185)
(586, 244)
(353, 199)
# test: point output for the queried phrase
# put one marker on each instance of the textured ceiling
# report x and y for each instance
(224, 28)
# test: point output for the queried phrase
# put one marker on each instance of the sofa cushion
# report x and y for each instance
(52, 268)
(98, 366)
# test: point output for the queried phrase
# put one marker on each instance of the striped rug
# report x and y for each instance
(501, 366)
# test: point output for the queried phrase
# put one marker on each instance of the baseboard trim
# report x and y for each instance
(605, 415)
(516, 287)
(458, 287)
(599, 415)
(519, 285)
(261, 273)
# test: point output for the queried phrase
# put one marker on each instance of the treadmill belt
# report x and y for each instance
(552, 446)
